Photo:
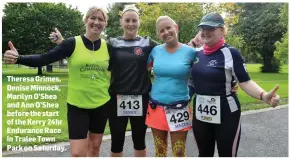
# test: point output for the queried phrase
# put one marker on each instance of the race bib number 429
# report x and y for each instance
(178, 119)
(207, 109)
(129, 105)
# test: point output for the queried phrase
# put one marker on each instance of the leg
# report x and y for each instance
(204, 136)
(139, 128)
(78, 126)
(78, 148)
(160, 141)
(138, 135)
(98, 120)
(228, 136)
(118, 129)
(178, 141)
(94, 144)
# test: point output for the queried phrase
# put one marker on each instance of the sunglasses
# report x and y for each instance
(208, 28)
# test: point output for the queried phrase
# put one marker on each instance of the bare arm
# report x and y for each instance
(254, 90)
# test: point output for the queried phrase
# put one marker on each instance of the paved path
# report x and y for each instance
(264, 134)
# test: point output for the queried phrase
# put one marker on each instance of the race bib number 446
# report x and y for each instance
(129, 105)
(178, 119)
(207, 109)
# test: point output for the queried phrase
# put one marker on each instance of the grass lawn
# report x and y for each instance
(266, 80)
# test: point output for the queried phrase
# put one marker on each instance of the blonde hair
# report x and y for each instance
(130, 7)
(94, 9)
(225, 30)
(161, 18)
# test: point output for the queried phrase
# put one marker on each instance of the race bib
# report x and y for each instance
(207, 109)
(178, 119)
(129, 105)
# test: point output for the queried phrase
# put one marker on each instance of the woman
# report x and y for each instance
(169, 105)
(217, 111)
(130, 82)
(88, 82)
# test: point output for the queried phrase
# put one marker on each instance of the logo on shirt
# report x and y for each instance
(212, 63)
(196, 60)
(138, 51)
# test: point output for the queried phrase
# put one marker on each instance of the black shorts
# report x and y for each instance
(81, 120)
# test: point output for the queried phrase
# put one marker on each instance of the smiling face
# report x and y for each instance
(211, 36)
(167, 30)
(95, 23)
(130, 23)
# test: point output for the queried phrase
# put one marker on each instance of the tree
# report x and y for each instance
(114, 28)
(281, 51)
(28, 25)
(230, 11)
(186, 15)
(260, 28)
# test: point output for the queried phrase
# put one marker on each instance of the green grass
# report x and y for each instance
(265, 80)
(24, 72)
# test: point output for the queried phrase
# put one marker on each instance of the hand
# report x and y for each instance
(55, 37)
(196, 41)
(272, 98)
(11, 56)
(235, 89)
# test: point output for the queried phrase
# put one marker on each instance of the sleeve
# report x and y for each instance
(63, 50)
(151, 58)
(193, 54)
(153, 43)
(239, 67)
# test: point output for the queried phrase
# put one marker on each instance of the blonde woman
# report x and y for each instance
(88, 82)
(169, 110)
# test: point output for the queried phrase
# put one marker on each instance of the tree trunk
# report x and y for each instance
(270, 64)
(39, 72)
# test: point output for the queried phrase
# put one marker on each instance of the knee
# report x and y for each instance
(78, 154)
(139, 145)
(179, 149)
(94, 146)
(179, 153)
(116, 148)
(160, 148)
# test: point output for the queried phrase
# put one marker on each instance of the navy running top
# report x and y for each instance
(213, 74)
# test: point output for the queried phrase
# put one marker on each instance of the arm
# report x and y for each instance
(150, 60)
(196, 41)
(249, 86)
(254, 90)
(62, 51)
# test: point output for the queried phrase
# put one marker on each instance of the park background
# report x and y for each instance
(258, 30)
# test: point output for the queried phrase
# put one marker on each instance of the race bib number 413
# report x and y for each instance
(129, 105)
(207, 109)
